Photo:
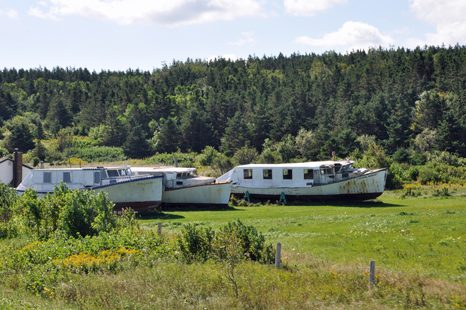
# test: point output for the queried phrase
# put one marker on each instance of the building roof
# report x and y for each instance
(163, 169)
(311, 164)
(6, 159)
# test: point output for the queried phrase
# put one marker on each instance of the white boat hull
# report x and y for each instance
(138, 194)
(215, 194)
(367, 186)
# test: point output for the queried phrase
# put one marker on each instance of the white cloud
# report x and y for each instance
(352, 35)
(170, 12)
(38, 13)
(448, 16)
(309, 7)
(13, 14)
(439, 12)
(231, 57)
(248, 37)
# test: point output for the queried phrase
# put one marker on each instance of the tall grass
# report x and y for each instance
(418, 245)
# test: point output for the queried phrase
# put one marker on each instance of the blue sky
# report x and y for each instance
(122, 34)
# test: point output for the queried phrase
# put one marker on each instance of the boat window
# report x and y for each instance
(308, 174)
(47, 177)
(67, 177)
(337, 168)
(267, 174)
(112, 173)
(325, 170)
(247, 174)
(97, 177)
(287, 174)
(122, 172)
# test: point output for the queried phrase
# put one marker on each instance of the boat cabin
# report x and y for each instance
(175, 177)
(291, 175)
(47, 179)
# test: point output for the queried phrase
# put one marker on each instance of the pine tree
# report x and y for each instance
(136, 145)
(20, 137)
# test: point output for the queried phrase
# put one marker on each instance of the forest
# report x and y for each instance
(410, 104)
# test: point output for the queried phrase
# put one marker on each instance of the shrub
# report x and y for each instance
(98, 153)
(412, 173)
(198, 244)
(394, 176)
(74, 212)
(223, 163)
(8, 210)
(183, 159)
(245, 155)
(418, 159)
(252, 242)
(207, 156)
(195, 243)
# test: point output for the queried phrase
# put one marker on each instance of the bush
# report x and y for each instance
(245, 156)
(195, 244)
(252, 242)
(74, 212)
(412, 173)
(8, 209)
(183, 159)
(199, 244)
(418, 159)
(207, 156)
(98, 153)
(401, 155)
(394, 176)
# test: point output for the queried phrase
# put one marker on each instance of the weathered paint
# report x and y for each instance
(207, 194)
(369, 185)
(136, 192)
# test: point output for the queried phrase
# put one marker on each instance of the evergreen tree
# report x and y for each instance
(167, 138)
(20, 137)
(136, 145)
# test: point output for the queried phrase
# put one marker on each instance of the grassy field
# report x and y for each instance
(419, 245)
(426, 236)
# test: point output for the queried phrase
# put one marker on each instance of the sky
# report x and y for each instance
(130, 34)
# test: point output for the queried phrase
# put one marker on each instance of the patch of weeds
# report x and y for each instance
(405, 213)
(446, 241)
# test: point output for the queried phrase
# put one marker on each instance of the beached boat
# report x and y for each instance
(183, 187)
(325, 180)
(124, 189)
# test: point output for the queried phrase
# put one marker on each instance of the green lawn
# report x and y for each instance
(418, 245)
(415, 235)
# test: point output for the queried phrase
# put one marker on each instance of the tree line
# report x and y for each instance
(408, 101)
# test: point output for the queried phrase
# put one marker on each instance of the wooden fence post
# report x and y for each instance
(159, 228)
(372, 273)
(277, 255)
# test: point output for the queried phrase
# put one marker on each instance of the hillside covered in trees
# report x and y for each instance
(406, 101)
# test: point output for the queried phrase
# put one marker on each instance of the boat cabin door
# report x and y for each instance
(327, 174)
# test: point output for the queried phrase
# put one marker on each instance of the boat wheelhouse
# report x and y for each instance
(124, 189)
(183, 187)
(328, 180)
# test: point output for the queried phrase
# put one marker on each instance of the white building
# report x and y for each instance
(6, 170)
